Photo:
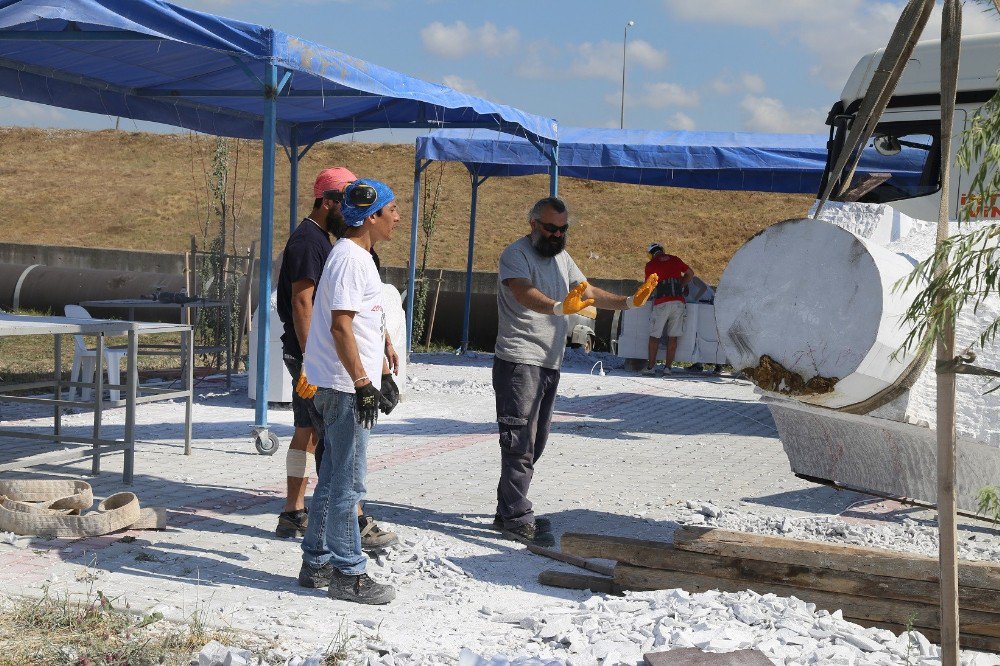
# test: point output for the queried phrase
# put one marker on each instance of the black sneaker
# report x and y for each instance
(359, 589)
(541, 524)
(530, 534)
(310, 576)
(374, 537)
(696, 367)
(292, 523)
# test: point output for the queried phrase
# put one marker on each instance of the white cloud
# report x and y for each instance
(837, 33)
(767, 114)
(663, 94)
(680, 121)
(463, 85)
(459, 40)
(728, 83)
(603, 60)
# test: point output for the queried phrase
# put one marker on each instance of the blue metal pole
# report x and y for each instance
(554, 172)
(466, 314)
(266, 244)
(293, 185)
(411, 279)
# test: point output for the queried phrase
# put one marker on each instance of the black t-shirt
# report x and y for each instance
(305, 255)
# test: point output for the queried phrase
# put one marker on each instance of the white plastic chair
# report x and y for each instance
(84, 359)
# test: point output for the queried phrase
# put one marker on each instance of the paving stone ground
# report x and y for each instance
(624, 450)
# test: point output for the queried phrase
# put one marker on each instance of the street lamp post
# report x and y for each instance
(624, 44)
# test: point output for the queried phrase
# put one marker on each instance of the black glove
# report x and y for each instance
(389, 397)
(366, 400)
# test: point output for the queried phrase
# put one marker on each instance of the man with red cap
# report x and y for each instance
(301, 267)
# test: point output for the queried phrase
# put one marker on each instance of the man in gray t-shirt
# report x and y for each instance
(539, 283)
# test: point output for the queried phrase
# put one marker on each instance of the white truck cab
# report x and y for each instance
(910, 127)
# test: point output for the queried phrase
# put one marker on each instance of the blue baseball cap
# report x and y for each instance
(364, 197)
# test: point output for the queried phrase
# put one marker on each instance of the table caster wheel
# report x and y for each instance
(266, 442)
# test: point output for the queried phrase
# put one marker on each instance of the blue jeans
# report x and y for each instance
(333, 535)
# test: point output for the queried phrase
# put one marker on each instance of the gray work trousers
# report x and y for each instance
(525, 396)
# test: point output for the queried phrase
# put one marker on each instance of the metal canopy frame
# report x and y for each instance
(550, 152)
(274, 85)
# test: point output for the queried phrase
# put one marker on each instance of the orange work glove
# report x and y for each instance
(574, 301)
(639, 298)
(303, 388)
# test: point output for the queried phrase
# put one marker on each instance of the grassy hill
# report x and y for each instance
(149, 191)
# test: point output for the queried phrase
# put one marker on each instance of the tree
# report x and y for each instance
(971, 256)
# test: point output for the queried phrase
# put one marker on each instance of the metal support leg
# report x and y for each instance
(131, 392)
(411, 278)
(188, 384)
(57, 416)
(467, 311)
(95, 467)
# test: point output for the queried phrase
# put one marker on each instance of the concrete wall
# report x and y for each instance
(447, 323)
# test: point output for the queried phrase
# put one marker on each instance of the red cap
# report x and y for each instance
(334, 178)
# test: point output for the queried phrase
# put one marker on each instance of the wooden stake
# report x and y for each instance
(434, 307)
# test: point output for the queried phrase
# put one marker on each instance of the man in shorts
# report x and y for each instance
(667, 315)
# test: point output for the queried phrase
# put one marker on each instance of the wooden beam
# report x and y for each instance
(575, 581)
(856, 559)
(863, 609)
(665, 556)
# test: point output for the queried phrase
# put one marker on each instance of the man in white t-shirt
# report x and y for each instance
(344, 359)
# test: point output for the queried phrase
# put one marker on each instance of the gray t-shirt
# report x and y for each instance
(526, 336)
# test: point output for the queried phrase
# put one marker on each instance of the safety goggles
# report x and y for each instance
(553, 228)
(358, 195)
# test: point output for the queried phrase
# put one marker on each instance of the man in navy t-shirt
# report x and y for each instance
(301, 267)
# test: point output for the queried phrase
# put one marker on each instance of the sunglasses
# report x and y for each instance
(358, 195)
(553, 228)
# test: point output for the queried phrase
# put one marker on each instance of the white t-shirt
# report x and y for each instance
(349, 282)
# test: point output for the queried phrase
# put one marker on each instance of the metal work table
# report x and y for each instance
(23, 325)
(132, 304)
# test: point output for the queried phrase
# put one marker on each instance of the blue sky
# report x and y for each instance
(735, 65)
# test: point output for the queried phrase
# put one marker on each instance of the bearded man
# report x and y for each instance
(539, 284)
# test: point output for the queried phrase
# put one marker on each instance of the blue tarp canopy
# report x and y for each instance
(788, 163)
(791, 163)
(151, 60)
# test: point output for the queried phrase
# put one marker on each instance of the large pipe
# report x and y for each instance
(50, 288)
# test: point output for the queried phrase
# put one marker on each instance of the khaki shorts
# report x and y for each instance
(667, 318)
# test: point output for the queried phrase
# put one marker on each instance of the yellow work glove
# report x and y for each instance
(639, 298)
(303, 388)
(574, 301)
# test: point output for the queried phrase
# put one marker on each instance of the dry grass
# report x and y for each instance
(147, 191)
(56, 630)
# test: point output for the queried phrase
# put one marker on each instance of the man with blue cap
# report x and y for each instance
(344, 360)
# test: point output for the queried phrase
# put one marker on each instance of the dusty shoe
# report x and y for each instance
(541, 524)
(310, 576)
(530, 534)
(292, 523)
(648, 372)
(696, 367)
(374, 537)
(360, 589)
(667, 371)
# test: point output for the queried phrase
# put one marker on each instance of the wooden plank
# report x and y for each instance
(664, 555)
(864, 609)
(575, 581)
(603, 569)
(856, 559)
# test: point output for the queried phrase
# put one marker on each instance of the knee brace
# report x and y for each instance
(298, 463)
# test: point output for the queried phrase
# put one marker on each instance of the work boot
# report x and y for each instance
(310, 576)
(360, 589)
(541, 524)
(530, 534)
(373, 537)
(292, 523)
